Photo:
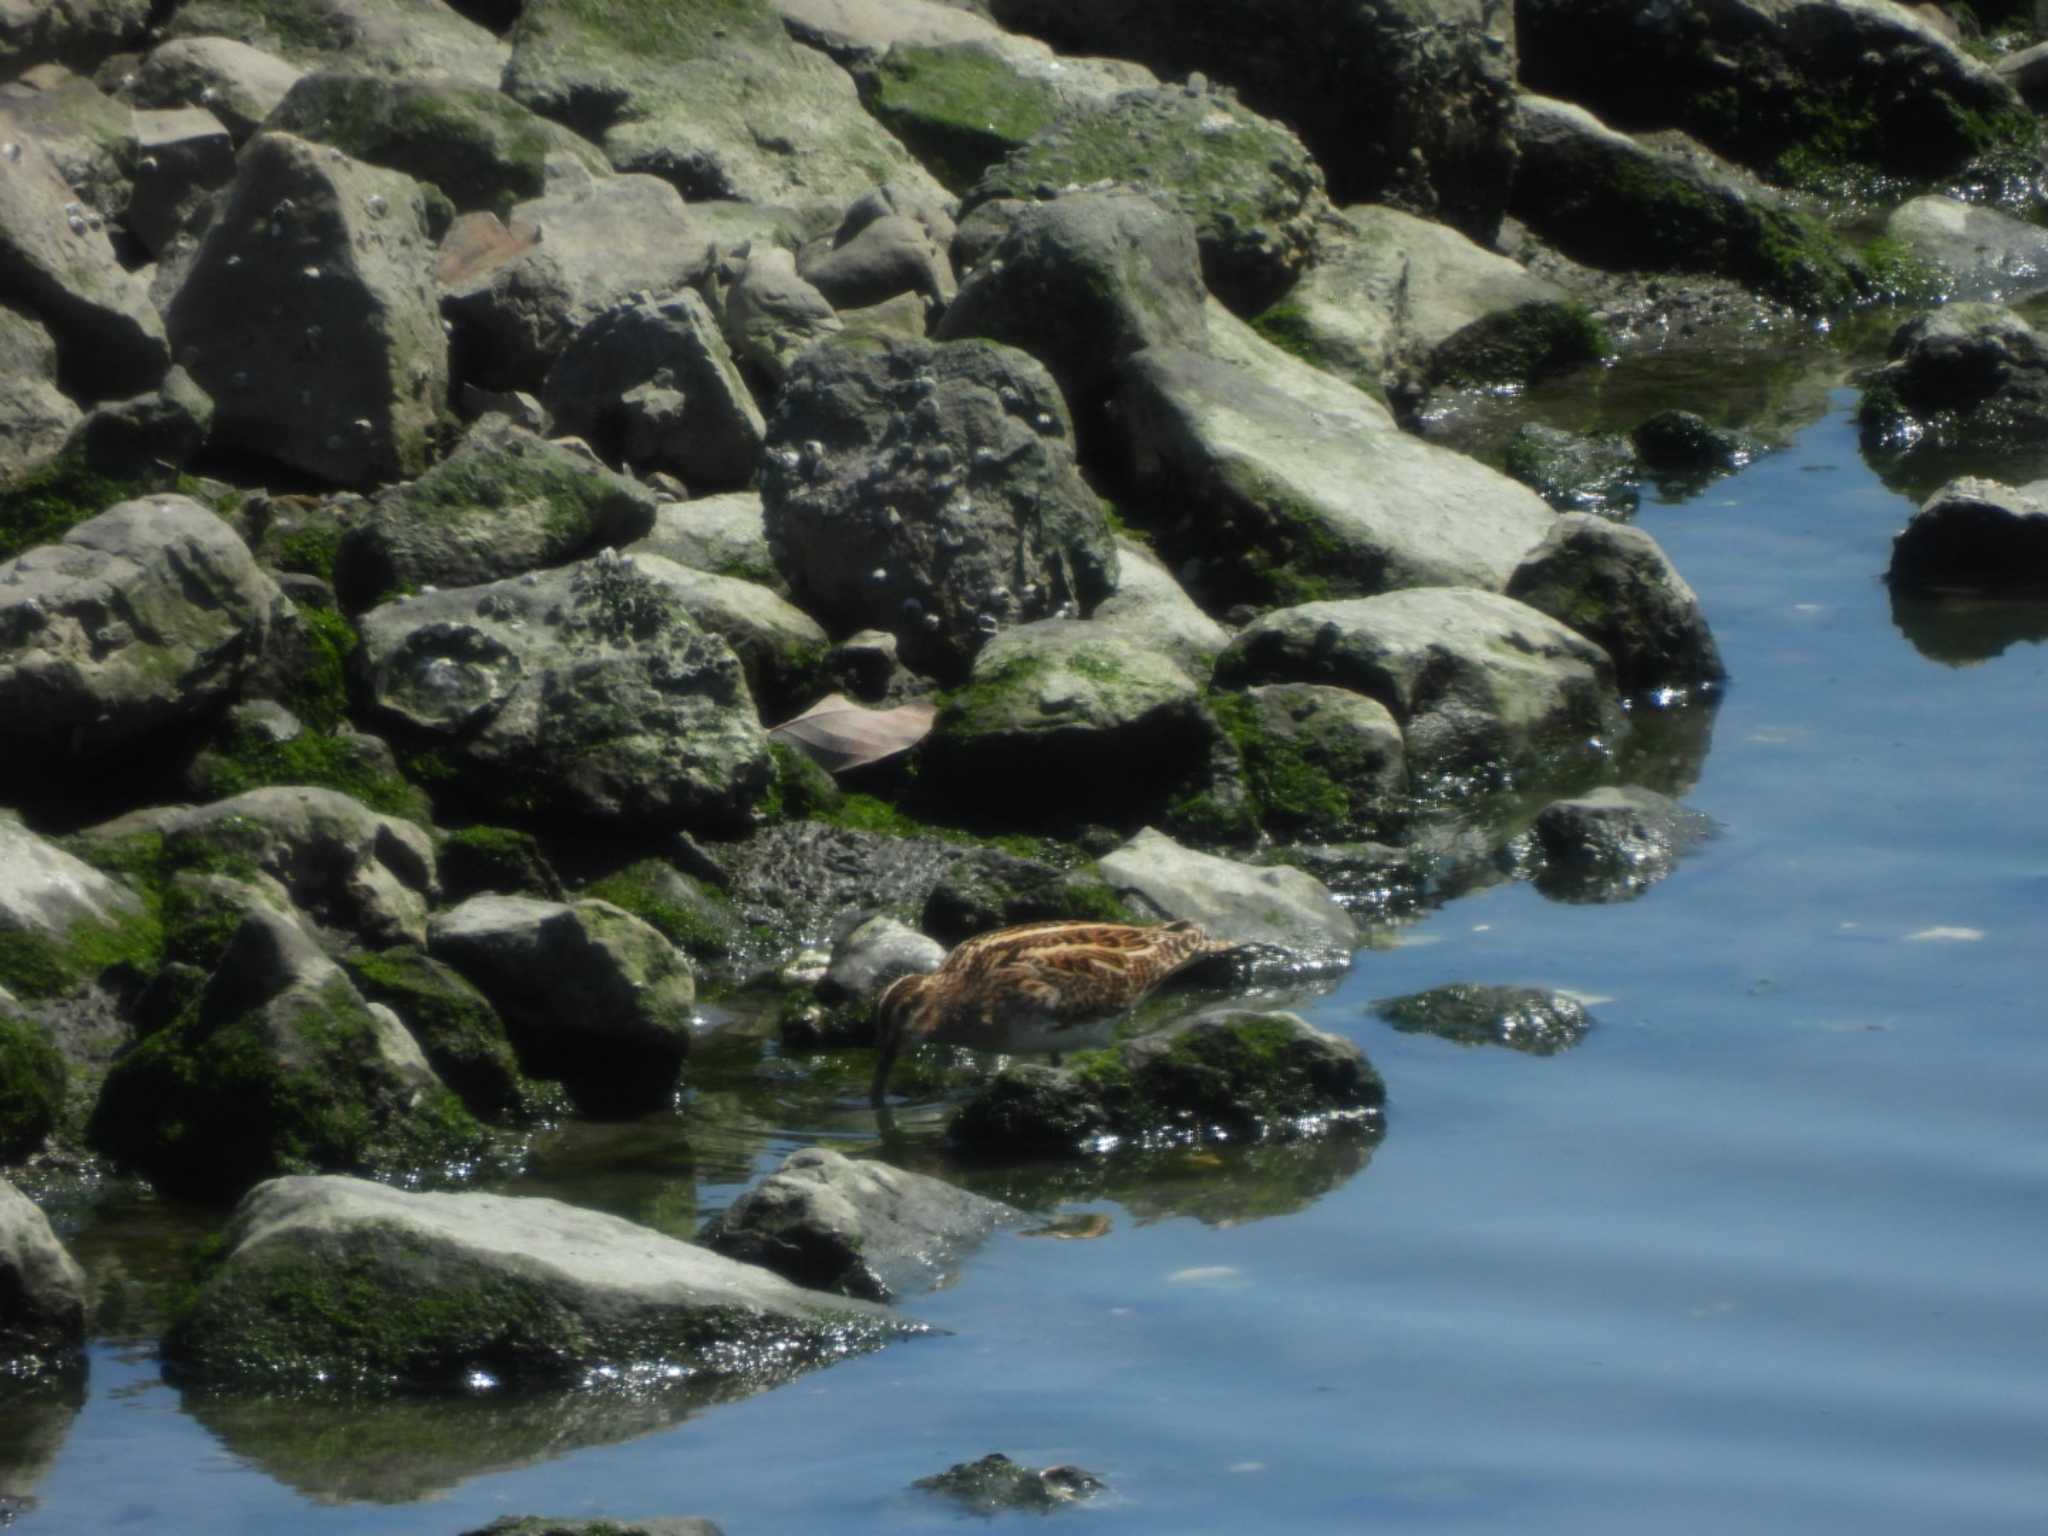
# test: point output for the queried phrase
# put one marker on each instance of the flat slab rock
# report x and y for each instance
(515, 1290)
(1276, 908)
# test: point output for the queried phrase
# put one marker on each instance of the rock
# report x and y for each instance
(1780, 85)
(1967, 378)
(1974, 536)
(1154, 612)
(58, 266)
(995, 1483)
(884, 257)
(1280, 498)
(724, 535)
(317, 269)
(82, 129)
(279, 1067)
(2027, 72)
(716, 99)
(1245, 182)
(517, 292)
(235, 83)
(587, 689)
(1611, 201)
(143, 437)
(1532, 1019)
(1614, 843)
(59, 919)
(1684, 451)
(181, 156)
(652, 384)
(1615, 586)
(688, 910)
(504, 860)
(593, 996)
(541, 1525)
(780, 647)
(35, 414)
(1280, 909)
(1230, 1075)
(930, 491)
(470, 1287)
(1083, 281)
(1971, 252)
(1597, 475)
(34, 1074)
(458, 1030)
(1320, 763)
(1401, 101)
(874, 953)
(772, 314)
(504, 503)
(853, 31)
(988, 888)
(405, 39)
(859, 1228)
(476, 144)
(150, 614)
(350, 868)
(43, 1325)
(79, 34)
(1488, 691)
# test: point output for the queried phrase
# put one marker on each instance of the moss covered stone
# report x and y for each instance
(960, 107)
(1521, 345)
(455, 1024)
(1320, 763)
(32, 1082)
(690, 915)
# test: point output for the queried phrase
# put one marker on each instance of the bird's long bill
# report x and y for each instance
(888, 1042)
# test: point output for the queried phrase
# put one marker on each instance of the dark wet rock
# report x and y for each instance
(504, 503)
(1084, 280)
(800, 877)
(1781, 85)
(545, 1525)
(1244, 181)
(181, 156)
(481, 148)
(1235, 1076)
(1618, 588)
(58, 265)
(652, 385)
(1062, 702)
(1683, 450)
(149, 614)
(1610, 200)
(309, 314)
(1575, 473)
(79, 34)
(772, 314)
(988, 888)
(238, 84)
(930, 491)
(1400, 102)
(35, 415)
(279, 1067)
(1487, 690)
(459, 1031)
(33, 1073)
(352, 869)
(1968, 378)
(717, 99)
(593, 996)
(1282, 911)
(587, 689)
(1320, 762)
(995, 1484)
(43, 1323)
(1532, 1019)
(356, 1285)
(862, 1228)
(780, 647)
(1968, 251)
(725, 535)
(517, 291)
(505, 860)
(1974, 536)
(870, 955)
(1614, 843)
(401, 38)
(1284, 497)
(892, 240)
(1519, 345)
(145, 436)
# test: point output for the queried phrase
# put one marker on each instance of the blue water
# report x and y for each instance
(1764, 1253)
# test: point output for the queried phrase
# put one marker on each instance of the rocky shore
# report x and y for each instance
(540, 541)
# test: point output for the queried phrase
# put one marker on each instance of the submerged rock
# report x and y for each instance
(995, 1483)
(1532, 1019)
(1573, 473)
(1614, 843)
(1967, 378)
(859, 1228)
(343, 1283)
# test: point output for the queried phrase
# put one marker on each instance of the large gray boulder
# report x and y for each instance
(587, 689)
(723, 535)
(712, 96)
(35, 414)
(517, 291)
(1153, 611)
(1281, 497)
(522, 1292)
(591, 994)
(43, 1322)
(407, 39)
(930, 491)
(1275, 908)
(1488, 691)
(1974, 536)
(859, 1228)
(504, 503)
(58, 265)
(278, 1067)
(149, 614)
(310, 315)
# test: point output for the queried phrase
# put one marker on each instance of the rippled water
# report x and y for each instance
(1764, 1253)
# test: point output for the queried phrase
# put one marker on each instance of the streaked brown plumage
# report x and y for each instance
(1031, 988)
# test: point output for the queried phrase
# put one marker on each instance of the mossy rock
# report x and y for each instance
(247, 756)
(1320, 763)
(1531, 1019)
(508, 860)
(455, 1024)
(959, 107)
(989, 888)
(1575, 473)
(690, 915)
(32, 1085)
(1521, 345)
